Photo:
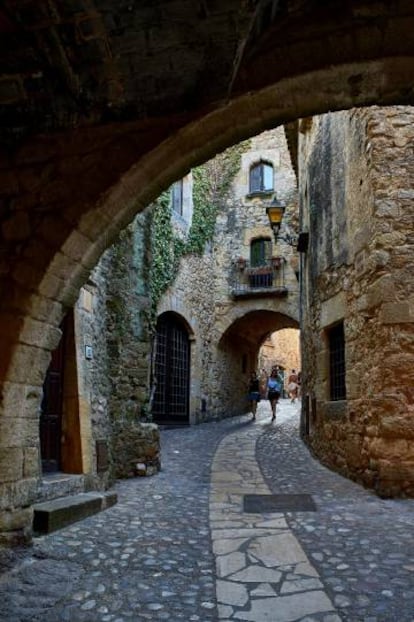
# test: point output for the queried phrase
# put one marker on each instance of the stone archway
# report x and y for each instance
(68, 191)
(171, 371)
(238, 350)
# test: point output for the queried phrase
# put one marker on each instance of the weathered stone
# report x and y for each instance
(13, 519)
(135, 444)
(31, 461)
(396, 313)
(397, 426)
(11, 464)
(375, 430)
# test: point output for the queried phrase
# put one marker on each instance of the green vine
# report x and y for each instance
(163, 253)
(211, 187)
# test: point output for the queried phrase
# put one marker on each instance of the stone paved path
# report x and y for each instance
(361, 545)
(173, 542)
(263, 574)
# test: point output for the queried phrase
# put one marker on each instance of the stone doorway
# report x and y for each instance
(59, 426)
(171, 371)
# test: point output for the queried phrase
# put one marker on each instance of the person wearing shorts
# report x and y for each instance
(274, 387)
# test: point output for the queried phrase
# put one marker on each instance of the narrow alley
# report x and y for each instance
(190, 544)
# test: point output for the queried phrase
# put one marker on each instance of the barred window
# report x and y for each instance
(336, 340)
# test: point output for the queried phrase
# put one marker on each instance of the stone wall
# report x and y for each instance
(136, 449)
(281, 348)
(112, 318)
(356, 174)
(127, 309)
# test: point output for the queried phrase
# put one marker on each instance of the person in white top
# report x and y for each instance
(274, 388)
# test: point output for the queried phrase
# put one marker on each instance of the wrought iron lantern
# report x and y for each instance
(275, 211)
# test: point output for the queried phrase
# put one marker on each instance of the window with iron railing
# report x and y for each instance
(260, 253)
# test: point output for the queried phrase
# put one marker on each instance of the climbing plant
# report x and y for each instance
(211, 187)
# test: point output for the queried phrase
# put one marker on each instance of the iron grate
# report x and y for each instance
(257, 504)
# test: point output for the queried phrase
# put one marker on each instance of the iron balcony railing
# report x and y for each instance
(267, 279)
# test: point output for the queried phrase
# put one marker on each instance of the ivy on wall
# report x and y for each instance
(211, 187)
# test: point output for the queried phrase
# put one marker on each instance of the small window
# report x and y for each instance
(261, 178)
(336, 340)
(177, 197)
(260, 252)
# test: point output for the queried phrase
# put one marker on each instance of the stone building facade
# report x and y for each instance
(102, 378)
(227, 313)
(357, 303)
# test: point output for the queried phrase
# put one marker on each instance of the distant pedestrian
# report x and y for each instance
(254, 393)
(293, 386)
(274, 388)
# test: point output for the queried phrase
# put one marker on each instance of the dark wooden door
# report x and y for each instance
(172, 372)
(51, 410)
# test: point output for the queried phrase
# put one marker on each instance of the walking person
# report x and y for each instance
(274, 388)
(254, 393)
(293, 385)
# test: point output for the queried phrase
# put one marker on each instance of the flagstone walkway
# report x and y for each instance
(263, 573)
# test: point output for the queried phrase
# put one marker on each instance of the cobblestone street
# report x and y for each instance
(178, 545)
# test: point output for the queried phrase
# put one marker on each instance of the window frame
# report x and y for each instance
(258, 186)
(177, 202)
(337, 362)
(265, 253)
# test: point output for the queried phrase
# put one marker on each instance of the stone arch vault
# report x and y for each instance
(85, 146)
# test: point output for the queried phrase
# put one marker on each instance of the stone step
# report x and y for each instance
(57, 513)
(56, 485)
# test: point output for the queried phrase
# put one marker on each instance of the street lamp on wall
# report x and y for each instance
(275, 211)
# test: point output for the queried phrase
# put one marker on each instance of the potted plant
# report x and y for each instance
(241, 263)
(276, 262)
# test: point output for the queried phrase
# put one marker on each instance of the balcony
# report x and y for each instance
(266, 280)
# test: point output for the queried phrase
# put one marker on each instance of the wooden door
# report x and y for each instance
(51, 409)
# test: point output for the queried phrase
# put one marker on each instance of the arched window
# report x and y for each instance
(261, 177)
